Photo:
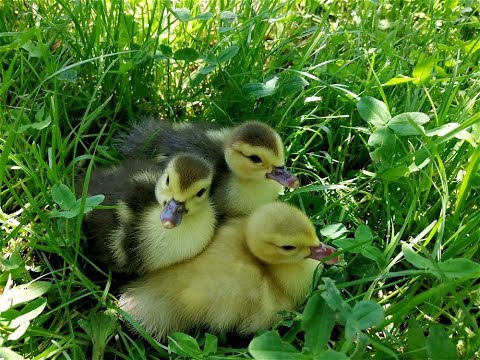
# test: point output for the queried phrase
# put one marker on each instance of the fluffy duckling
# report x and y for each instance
(163, 213)
(254, 267)
(249, 160)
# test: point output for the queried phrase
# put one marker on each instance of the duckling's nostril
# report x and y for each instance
(164, 203)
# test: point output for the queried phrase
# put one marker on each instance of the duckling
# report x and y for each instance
(163, 213)
(254, 267)
(249, 160)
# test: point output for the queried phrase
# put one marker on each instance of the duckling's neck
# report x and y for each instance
(295, 279)
(242, 196)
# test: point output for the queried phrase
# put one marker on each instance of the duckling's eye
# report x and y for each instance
(201, 192)
(167, 181)
(254, 158)
(288, 247)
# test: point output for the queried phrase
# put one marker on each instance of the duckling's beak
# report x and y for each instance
(172, 214)
(322, 251)
(284, 177)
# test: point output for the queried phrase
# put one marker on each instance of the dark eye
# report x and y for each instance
(167, 181)
(201, 192)
(254, 158)
(288, 247)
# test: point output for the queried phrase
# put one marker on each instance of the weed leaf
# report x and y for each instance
(270, 346)
(398, 80)
(409, 123)
(259, 90)
(210, 346)
(415, 259)
(99, 328)
(182, 14)
(227, 54)
(416, 340)
(184, 345)
(23, 293)
(423, 70)
(63, 196)
(439, 346)
(8, 354)
(460, 268)
(333, 231)
(228, 15)
(373, 111)
(317, 321)
(186, 54)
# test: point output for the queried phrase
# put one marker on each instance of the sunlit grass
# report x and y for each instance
(74, 74)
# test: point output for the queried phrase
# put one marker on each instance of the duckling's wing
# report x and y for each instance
(108, 233)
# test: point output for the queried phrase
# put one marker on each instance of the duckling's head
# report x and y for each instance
(183, 188)
(254, 150)
(278, 233)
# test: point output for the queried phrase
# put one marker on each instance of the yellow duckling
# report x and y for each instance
(249, 160)
(164, 213)
(255, 267)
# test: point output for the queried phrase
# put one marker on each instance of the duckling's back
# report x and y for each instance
(225, 288)
(153, 138)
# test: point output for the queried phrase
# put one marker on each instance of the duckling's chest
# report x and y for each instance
(243, 197)
(159, 247)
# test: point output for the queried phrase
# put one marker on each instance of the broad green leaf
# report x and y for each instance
(182, 14)
(64, 214)
(13, 262)
(228, 15)
(184, 345)
(398, 80)
(404, 124)
(363, 233)
(228, 54)
(460, 268)
(42, 124)
(373, 111)
(19, 331)
(290, 85)
(423, 70)
(471, 46)
(354, 246)
(23, 293)
(415, 340)
(368, 313)
(69, 75)
(260, 90)
(186, 54)
(210, 346)
(439, 346)
(166, 50)
(63, 196)
(415, 259)
(392, 173)
(382, 137)
(8, 354)
(29, 312)
(205, 16)
(365, 314)
(333, 231)
(125, 67)
(332, 296)
(207, 69)
(99, 328)
(318, 320)
(270, 346)
(446, 128)
(35, 51)
(373, 253)
(331, 355)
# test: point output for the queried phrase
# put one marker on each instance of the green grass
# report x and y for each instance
(400, 200)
